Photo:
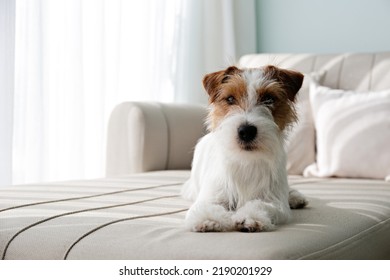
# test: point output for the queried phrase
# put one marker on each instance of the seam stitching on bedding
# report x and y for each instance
(339, 245)
(119, 221)
(76, 212)
(88, 196)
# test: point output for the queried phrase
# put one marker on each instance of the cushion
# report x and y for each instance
(353, 132)
(300, 141)
(141, 217)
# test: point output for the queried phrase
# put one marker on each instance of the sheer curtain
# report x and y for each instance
(213, 35)
(7, 47)
(76, 59)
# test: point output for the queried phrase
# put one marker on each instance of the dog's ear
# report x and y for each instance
(290, 80)
(213, 81)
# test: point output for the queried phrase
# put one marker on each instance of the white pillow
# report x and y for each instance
(353, 133)
(300, 141)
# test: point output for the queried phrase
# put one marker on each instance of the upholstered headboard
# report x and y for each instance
(362, 72)
(145, 136)
(369, 72)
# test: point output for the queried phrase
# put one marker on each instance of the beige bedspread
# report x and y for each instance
(141, 217)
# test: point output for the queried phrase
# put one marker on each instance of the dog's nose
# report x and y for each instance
(247, 132)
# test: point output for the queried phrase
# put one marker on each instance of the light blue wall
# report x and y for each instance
(323, 26)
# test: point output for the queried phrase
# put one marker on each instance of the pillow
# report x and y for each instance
(300, 140)
(353, 133)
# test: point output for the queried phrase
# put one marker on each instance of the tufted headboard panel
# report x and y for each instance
(147, 136)
(349, 71)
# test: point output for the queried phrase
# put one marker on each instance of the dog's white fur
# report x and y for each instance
(238, 189)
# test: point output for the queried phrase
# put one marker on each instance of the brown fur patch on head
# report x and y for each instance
(212, 82)
(291, 81)
(226, 89)
(282, 109)
(283, 90)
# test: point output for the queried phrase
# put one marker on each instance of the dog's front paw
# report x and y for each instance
(206, 217)
(296, 200)
(252, 222)
(208, 226)
(251, 225)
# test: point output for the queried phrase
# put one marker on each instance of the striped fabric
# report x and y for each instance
(79, 208)
(141, 217)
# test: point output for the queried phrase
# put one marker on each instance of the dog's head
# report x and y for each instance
(252, 106)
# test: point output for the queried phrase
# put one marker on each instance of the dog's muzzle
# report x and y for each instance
(247, 133)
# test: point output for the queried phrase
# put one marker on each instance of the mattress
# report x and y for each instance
(141, 216)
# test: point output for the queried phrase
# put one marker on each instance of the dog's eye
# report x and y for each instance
(268, 99)
(231, 100)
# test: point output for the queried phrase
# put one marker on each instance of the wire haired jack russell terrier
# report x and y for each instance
(239, 179)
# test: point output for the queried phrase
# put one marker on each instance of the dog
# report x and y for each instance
(238, 179)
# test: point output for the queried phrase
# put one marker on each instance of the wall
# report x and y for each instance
(323, 26)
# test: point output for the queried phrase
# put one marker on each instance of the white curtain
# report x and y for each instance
(7, 47)
(214, 34)
(74, 60)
